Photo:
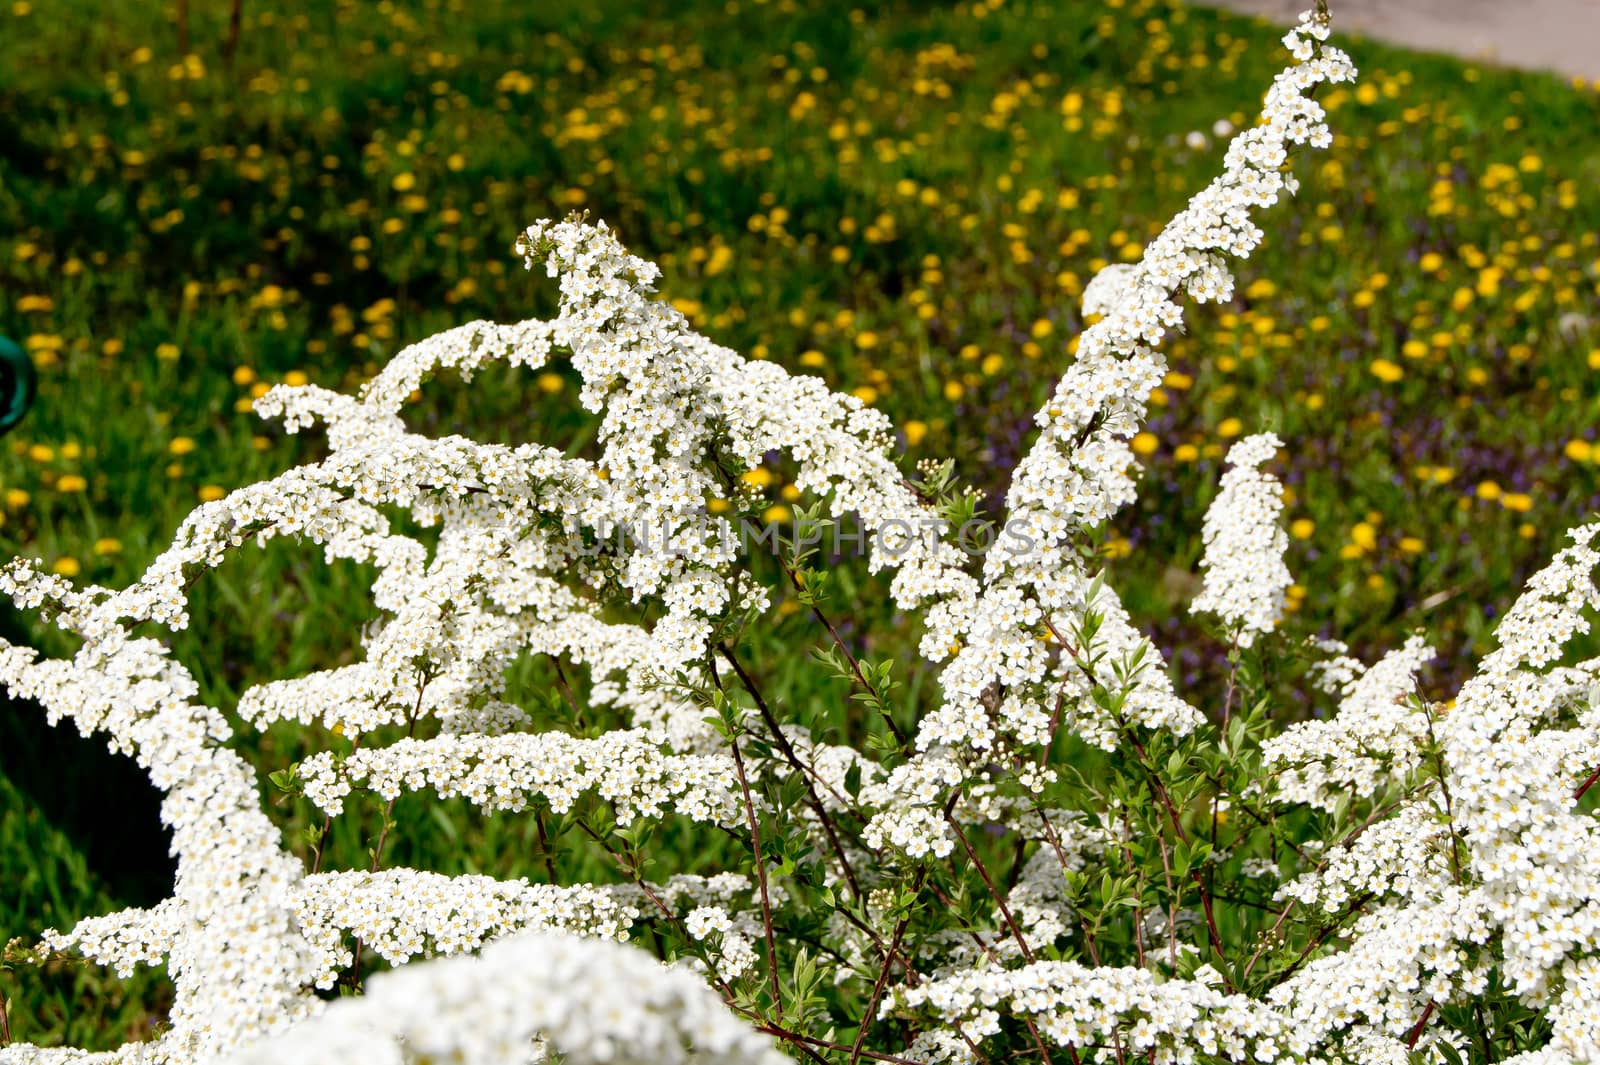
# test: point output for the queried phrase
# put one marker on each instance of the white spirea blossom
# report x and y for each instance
(402, 914)
(1077, 474)
(1374, 736)
(593, 1003)
(228, 934)
(1480, 863)
(1245, 575)
(507, 772)
(1076, 1005)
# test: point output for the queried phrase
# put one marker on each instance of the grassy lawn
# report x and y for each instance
(905, 199)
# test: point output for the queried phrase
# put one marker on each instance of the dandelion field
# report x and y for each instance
(906, 201)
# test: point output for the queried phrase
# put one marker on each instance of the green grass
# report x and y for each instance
(905, 199)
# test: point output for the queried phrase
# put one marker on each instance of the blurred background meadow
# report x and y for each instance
(904, 198)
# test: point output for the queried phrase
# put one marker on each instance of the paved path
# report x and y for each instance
(1558, 35)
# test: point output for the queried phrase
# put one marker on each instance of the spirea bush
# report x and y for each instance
(1062, 860)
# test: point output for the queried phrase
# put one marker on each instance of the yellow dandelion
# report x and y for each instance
(1386, 371)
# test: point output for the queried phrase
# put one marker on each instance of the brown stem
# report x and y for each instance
(231, 45)
(1138, 909)
(1154, 780)
(1349, 838)
(1254, 814)
(629, 868)
(1266, 940)
(377, 863)
(1227, 696)
(566, 692)
(322, 842)
(1211, 924)
(855, 666)
(999, 897)
(761, 878)
(327, 822)
(883, 978)
(1586, 785)
(388, 823)
(1322, 937)
(988, 952)
(544, 847)
(183, 27)
(805, 771)
(1160, 790)
(1061, 859)
(1416, 1029)
(383, 835)
(1061, 693)
(797, 1038)
(1444, 790)
(1172, 906)
(5, 1021)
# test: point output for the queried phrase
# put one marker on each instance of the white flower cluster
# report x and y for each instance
(735, 946)
(507, 772)
(1074, 1005)
(1476, 860)
(228, 933)
(1245, 576)
(1490, 867)
(1374, 737)
(1076, 475)
(401, 914)
(591, 1003)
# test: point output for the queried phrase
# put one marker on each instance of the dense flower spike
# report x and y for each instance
(1245, 577)
(1456, 855)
